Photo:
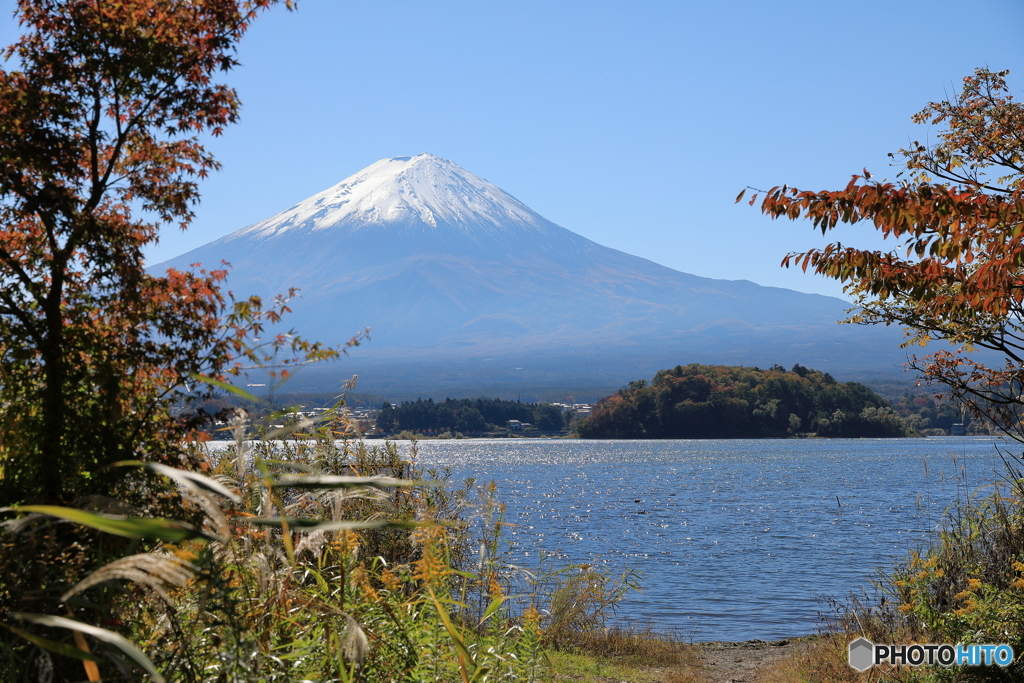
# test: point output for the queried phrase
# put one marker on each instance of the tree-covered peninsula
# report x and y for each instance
(715, 401)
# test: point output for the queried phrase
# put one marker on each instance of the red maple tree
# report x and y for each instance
(956, 272)
(100, 116)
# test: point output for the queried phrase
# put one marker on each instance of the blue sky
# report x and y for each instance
(633, 124)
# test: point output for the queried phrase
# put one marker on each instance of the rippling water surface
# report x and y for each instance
(737, 539)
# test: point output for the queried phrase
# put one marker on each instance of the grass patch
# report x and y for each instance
(822, 660)
(627, 654)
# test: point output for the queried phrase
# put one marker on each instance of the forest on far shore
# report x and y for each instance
(708, 402)
(692, 401)
(466, 415)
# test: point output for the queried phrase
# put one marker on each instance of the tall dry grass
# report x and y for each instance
(306, 554)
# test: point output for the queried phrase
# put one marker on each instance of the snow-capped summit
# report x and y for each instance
(434, 258)
(423, 191)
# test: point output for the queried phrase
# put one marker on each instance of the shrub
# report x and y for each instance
(968, 586)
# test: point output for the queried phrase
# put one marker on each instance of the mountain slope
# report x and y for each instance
(435, 259)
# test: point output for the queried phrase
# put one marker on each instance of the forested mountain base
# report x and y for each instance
(715, 401)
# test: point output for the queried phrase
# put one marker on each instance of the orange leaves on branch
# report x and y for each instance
(100, 115)
(945, 234)
(956, 270)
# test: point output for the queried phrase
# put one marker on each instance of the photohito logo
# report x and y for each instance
(864, 654)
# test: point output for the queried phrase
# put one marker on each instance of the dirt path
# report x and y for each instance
(726, 662)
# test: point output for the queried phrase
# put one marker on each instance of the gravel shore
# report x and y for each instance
(728, 662)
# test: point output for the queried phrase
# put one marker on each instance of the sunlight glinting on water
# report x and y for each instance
(737, 539)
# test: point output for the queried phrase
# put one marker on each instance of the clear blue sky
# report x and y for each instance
(634, 124)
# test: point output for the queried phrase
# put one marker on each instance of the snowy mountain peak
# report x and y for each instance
(423, 192)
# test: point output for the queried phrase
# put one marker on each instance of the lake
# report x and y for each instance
(737, 539)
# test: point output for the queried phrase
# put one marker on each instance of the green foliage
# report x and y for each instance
(702, 401)
(931, 415)
(465, 415)
(139, 527)
(547, 418)
(871, 422)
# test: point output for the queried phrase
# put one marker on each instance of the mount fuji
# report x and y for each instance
(464, 285)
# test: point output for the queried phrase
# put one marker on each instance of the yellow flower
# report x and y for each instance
(429, 567)
(390, 580)
(362, 579)
(347, 541)
(186, 555)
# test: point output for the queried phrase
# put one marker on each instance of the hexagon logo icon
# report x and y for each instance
(862, 654)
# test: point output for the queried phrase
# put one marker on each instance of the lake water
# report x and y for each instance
(737, 539)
